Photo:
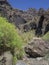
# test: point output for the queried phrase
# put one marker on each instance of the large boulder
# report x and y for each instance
(37, 48)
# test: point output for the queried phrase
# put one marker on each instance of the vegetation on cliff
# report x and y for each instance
(10, 39)
(46, 36)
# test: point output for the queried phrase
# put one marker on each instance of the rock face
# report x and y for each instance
(2, 0)
(20, 62)
(39, 27)
(37, 62)
(7, 11)
(37, 48)
(6, 58)
(30, 18)
(47, 28)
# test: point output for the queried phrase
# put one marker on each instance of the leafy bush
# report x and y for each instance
(10, 38)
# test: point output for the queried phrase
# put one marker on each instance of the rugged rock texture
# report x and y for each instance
(39, 27)
(40, 18)
(47, 28)
(37, 62)
(6, 58)
(7, 11)
(33, 62)
(26, 20)
(20, 62)
(37, 48)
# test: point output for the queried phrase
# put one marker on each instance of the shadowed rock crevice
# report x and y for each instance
(33, 25)
(26, 28)
(39, 27)
(40, 22)
(31, 54)
(46, 28)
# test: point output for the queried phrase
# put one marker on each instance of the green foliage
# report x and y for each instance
(28, 36)
(14, 60)
(9, 37)
(46, 36)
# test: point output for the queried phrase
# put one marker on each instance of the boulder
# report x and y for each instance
(37, 62)
(6, 58)
(37, 48)
(20, 62)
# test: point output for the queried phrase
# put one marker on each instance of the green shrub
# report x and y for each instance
(9, 37)
(46, 36)
(28, 36)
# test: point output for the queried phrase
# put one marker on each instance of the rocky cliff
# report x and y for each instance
(26, 20)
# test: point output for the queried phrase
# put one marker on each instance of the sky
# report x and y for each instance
(25, 4)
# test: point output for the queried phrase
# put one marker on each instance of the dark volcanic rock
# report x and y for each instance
(38, 32)
(40, 22)
(39, 27)
(33, 25)
(26, 28)
(37, 48)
